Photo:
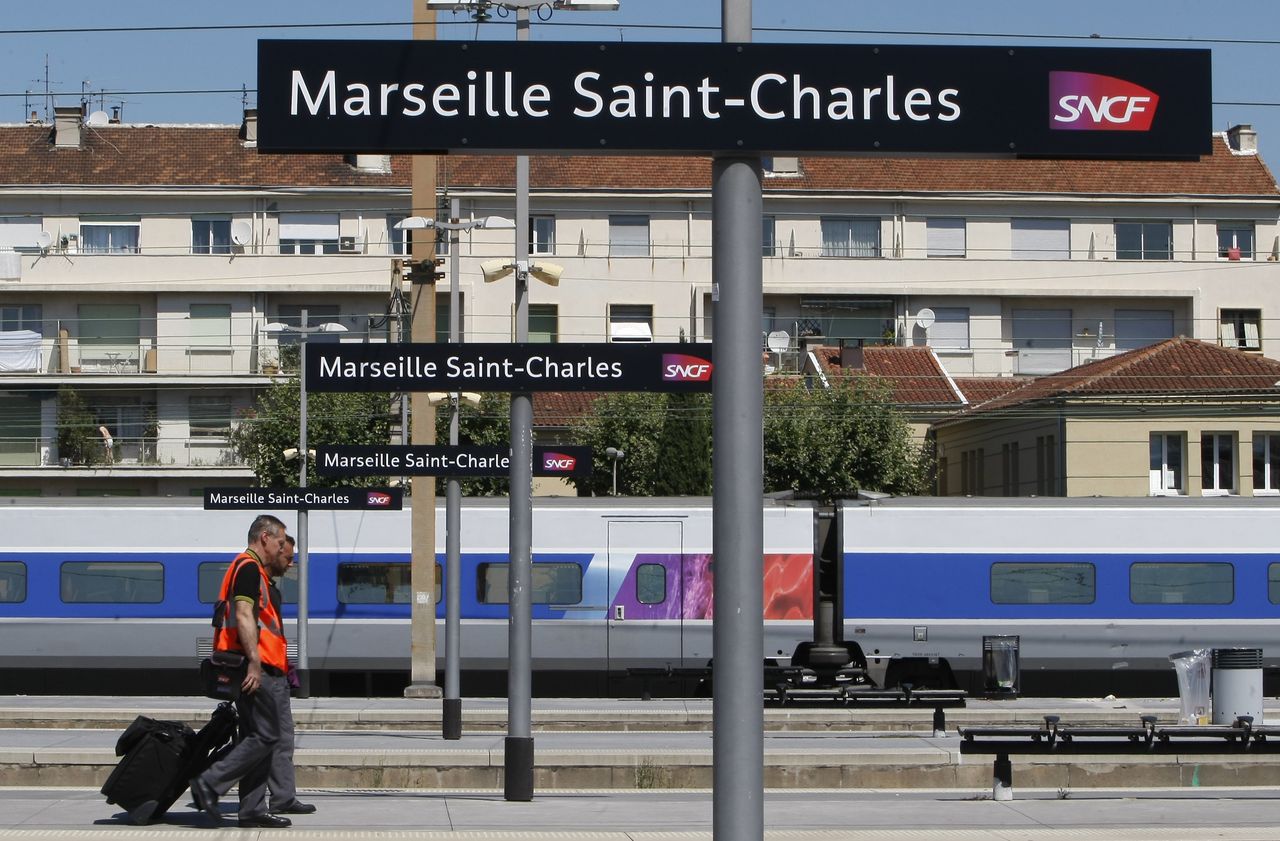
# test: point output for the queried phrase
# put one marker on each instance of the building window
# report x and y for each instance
(1167, 477)
(1139, 328)
(21, 317)
(768, 236)
(308, 233)
(399, 241)
(944, 237)
(1043, 583)
(1218, 463)
(628, 236)
(1046, 465)
(211, 236)
(651, 584)
(544, 327)
(112, 583)
(944, 477)
(377, 583)
(210, 325)
(1235, 240)
(950, 329)
(844, 236)
(542, 235)
(109, 337)
(630, 323)
(210, 416)
(1040, 239)
(1240, 329)
(552, 583)
(13, 582)
(110, 237)
(1042, 340)
(1010, 474)
(1164, 583)
(21, 233)
(1266, 463)
(972, 469)
(1144, 240)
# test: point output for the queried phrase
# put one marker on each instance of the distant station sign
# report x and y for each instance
(433, 96)
(303, 499)
(444, 460)
(509, 367)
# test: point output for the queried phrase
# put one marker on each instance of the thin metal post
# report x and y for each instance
(304, 541)
(452, 709)
(518, 746)
(737, 527)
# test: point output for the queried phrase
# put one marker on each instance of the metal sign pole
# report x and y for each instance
(304, 536)
(452, 710)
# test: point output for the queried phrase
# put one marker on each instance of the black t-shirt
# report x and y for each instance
(248, 583)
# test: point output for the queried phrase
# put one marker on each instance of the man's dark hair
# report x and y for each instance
(288, 538)
(264, 523)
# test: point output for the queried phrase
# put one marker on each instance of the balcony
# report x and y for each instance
(23, 455)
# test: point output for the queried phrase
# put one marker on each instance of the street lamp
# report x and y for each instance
(451, 720)
(615, 455)
(304, 332)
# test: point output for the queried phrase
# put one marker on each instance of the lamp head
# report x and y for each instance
(548, 273)
(496, 223)
(413, 223)
(614, 453)
(495, 269)
(275, 327)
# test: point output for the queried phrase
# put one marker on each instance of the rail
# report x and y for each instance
(1147, 738)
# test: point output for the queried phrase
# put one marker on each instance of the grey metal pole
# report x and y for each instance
(304, 541)
(452, 711)
(737, 527)
(518, 746)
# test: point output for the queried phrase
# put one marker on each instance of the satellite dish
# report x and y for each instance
(97, 118)
(925, 318)
(778, 341)
(44, 240)
(241, 232)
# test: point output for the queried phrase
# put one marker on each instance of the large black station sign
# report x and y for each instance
(445, 460)
(424, 96)
(509, 367)
(303, 499)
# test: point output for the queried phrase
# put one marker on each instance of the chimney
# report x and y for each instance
(1243, 139)
(34, 119)
(115, 115)
(66, 126)
(380, 164)
(249, 129)
(851, 355)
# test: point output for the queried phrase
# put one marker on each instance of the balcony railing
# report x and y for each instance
(128, 452)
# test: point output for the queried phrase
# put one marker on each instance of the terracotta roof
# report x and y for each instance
(561, 408)
(913, 374)
(1181, 366)
(126, 155)
(981, 389)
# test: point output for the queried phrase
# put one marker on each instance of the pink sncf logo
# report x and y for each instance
(558, 462)
(1090, 102)
(378, 499)
(682, 368)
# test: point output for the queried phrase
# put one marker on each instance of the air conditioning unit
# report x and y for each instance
(347, 245)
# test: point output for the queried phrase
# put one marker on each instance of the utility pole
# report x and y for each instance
(422, 301)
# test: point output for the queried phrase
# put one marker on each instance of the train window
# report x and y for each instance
(1043, 583)
(13, 582)
(1155, 583)
(1273, 583)
(553, 583)
(651, 584)
(371, 583)
(209, 576)
(112, 583)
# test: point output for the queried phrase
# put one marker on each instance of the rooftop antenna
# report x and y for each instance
(244, 96)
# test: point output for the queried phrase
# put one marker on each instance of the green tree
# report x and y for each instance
(263, 433)
(683, 465)
(839, 440)
(486, 425)
(631, 423)
(77, 430)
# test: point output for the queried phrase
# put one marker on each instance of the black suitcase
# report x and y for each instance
(161, 757)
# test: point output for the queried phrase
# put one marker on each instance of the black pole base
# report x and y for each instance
(452, 724)
(304, 684)
(517, 779)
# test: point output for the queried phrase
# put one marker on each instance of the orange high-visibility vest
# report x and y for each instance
(272, 648)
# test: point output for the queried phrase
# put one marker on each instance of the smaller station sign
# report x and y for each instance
(509, 367)
(303, 499)
(444, 460)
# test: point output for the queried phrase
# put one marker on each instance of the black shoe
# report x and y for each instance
(265, 821)
(206, 798)
(297, 807)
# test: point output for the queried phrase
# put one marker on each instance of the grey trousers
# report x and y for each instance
(280, 780)
(261, 717)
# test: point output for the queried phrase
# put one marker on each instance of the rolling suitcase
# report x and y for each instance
(161, 757)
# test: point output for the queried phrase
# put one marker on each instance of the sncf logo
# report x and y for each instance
(681, 368)
(377, 499)
(1089, 102)
(558, 462)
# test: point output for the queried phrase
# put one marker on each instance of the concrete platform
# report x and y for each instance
(621, 745)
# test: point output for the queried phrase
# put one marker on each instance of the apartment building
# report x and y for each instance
(150, 270)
